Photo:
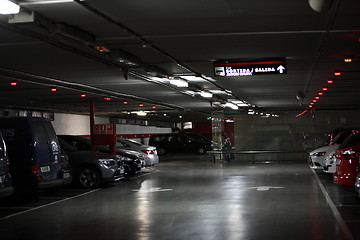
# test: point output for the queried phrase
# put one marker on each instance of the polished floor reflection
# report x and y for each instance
(191, 198)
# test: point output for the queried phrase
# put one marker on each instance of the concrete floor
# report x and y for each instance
(191, 198)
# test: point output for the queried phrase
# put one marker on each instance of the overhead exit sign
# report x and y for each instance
(250, 67)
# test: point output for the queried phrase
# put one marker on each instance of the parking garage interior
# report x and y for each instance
(266, 81)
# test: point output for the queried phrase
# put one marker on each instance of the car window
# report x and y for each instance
(352, 140)
(40, 135)
(120, 144)
(66, 146)
(133, 142)
(80, 146)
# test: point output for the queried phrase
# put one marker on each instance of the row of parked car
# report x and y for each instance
(33, 157)
(341, 157)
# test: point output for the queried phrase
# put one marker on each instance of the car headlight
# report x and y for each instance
(318, 154)
(108, 162)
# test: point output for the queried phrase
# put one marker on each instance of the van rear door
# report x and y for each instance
(46, 150)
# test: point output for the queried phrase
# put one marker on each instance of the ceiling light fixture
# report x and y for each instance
(324, 88)
(8, 7)
(125, 102)
(107, 98)
(337, 73)
(13, 83)
(320, 93)
(206, 94)
(232, 106)
(179, 83)
(53, 89)
(330, 81)
(141, 113)
(348, 60)
(83, 95)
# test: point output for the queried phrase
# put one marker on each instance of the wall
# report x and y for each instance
(75, 124)
(289, 133)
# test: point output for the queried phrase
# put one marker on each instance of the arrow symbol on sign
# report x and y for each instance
(281, 69)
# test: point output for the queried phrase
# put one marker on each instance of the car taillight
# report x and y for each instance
(35, 169)
(148, 151)
(348, 152)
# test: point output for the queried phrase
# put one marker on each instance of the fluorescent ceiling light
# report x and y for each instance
(8, 7)
(206, 94)
(192, 93)
(193, 78)
(179, 83)
(231, 105)
(46, 2)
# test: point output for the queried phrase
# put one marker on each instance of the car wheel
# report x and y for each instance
(89, 177)
(201, 150)
(161, 151)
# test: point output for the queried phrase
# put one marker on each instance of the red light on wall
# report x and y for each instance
(13, 83)
(348, 60)
(325, 89)
(330, 81)
(337, 73)
(125, 102)
(53, 89)
(107, 98)
(153, 107)
(83, 95)
(141, 105)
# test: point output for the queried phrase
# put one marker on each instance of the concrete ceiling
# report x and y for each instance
(170, 39)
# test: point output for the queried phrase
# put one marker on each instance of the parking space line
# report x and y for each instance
(49, 204)
(14, 208)
(338, 217)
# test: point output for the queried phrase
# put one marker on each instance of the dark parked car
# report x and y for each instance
(34, 154)
(6, 188)
(178, 143)
(132, 161)
(93, 169)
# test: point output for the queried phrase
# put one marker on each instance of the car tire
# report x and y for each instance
(161, 151)
(201, 150)
(88, 177)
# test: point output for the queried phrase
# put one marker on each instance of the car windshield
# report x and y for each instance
(340, 137)
(352, 140)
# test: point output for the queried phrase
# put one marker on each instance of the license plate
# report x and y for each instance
(66, 175)
(45, 169)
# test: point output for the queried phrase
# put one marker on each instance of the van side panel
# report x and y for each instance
(17, 136)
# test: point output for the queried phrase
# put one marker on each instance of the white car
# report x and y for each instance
(148, 153)
(317, 156)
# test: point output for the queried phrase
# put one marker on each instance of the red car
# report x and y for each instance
(347, 160)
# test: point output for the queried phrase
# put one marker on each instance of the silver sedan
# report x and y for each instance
(148, 152)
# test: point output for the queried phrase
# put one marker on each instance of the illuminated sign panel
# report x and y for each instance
(250, 68)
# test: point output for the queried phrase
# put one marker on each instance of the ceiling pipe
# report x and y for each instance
(32, 78)
(144, 42)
